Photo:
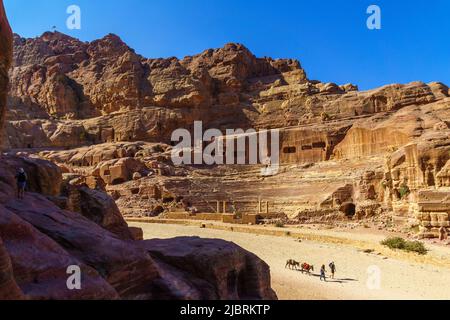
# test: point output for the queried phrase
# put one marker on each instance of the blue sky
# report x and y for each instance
(330, 38)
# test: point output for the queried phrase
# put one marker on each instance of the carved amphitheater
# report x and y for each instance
(105, 115)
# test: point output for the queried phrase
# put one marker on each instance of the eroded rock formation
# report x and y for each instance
(60, 224)
(345, 154)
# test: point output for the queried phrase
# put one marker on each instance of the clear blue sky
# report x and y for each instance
(330, 38)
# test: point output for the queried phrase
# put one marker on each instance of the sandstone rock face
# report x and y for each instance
(345, 153)
(98, 207)
(56, 77)
(98, 241)
(5, 62)
(66, 93)
(237, 274)
(40, 263)
(9, 290)
(40, 239)
(43, 177)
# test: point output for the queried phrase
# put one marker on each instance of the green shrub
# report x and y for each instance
(403, 191)
(416, 246)
(279, 224)
(394, 243)
(402, 244)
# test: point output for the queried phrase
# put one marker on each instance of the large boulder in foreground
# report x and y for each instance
(9, 290)
(221, 269)
(98, 207)
(127, 268)
(40, 264)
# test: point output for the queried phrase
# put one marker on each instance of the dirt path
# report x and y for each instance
(399, 278)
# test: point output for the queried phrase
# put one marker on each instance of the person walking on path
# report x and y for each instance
(323, 273)
(332, 269)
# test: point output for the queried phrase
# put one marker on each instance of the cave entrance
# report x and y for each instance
(289, 150)
(118, 181)
(168, 199)
(349, 209)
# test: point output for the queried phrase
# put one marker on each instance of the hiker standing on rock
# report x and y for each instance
(21, 178)
(332, 269)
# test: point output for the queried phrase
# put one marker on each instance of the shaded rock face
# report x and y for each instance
(5, 62)
(40, 263)
(98, 207)
(237, 274)
(9, 290)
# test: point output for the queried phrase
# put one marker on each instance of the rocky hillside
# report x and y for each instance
(68, 93)
(58, 225)
(56, 77)
(105, 115)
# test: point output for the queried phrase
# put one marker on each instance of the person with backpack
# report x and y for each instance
(332, 269)
(21, 178)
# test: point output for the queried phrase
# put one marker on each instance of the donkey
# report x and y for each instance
(308, 268)
(292, 264)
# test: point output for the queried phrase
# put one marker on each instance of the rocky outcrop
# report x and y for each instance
(59, 77)
(9, 290)
(98, 241)
(39, 263)
(98, 207)
(60, 228)
(237, 274)
(5, 62)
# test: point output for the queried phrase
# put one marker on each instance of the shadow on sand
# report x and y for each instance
(328, 279)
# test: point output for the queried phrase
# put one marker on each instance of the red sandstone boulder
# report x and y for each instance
(9, 290)
(128, 269)
(233, 272)
(5, 62)
(40, 264)
(98, 207)
(43, 177)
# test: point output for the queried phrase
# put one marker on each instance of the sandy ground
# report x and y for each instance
(356, 278)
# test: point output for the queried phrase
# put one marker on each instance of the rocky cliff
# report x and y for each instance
(5, 62)
(105, 115)
(58, 226)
